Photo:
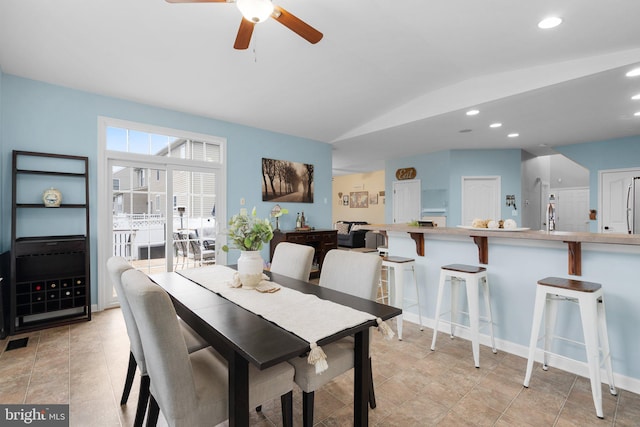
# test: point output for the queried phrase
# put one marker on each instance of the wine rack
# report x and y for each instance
(50, 275)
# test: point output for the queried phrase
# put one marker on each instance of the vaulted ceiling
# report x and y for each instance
(389, 78)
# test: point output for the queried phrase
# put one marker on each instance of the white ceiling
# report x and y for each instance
(389, 79)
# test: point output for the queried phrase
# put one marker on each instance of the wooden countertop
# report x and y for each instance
(481, 236)
(563, 236)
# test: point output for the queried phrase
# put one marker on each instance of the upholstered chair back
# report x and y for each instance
(354, 273)
(293, 260)
(168, 364)
(115, 267)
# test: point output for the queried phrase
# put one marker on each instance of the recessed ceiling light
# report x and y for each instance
(472, 112)
(633, 73)
(513, 135)
(550, 22)
(637, 96)
(637, 113)
(495, 125)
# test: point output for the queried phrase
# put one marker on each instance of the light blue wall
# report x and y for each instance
(445, 169)
(431, 169)
(597, 156)
(503, 163)
(46, 118)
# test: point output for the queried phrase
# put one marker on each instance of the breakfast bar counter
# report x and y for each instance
(480, 236)
(515, 261)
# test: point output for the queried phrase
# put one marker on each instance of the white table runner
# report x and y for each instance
(305, 315)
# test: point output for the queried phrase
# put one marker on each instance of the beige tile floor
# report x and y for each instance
(84, 365)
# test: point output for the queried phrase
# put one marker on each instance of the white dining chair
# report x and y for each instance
(192, 389)
(116, 266)
(293, 260)
(353, 273)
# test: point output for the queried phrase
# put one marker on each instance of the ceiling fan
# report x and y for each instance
(256, 11)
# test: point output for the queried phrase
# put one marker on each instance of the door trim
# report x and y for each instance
(601, 174)
(104, 218)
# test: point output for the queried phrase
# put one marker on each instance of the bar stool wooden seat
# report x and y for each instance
(474, 278)
(395, 286)
(589, 296)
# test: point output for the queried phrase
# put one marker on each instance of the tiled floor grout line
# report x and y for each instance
(508, 406)
(114, 398)
(33, 365)
(564, 402)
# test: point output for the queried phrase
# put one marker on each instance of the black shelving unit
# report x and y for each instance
(50, 274)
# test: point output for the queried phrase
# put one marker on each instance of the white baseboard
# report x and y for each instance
(573, 366)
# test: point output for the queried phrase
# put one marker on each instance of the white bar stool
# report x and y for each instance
(396, 286)
(589, 296)
(473, 276)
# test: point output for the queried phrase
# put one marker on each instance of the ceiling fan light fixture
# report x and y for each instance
(255, 10)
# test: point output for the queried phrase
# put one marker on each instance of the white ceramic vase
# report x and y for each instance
(250, 266)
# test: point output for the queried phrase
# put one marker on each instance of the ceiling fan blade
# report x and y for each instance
(296, 25)
(244, 34)
(200, 1)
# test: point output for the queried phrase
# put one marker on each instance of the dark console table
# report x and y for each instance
(321, 240)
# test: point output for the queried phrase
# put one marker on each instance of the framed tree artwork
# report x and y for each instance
(285, 181)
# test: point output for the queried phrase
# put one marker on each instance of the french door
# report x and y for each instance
(161, 199)
(163, 216)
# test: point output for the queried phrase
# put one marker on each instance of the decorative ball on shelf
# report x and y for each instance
(52, 198)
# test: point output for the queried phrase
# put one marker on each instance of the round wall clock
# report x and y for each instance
(52, 198)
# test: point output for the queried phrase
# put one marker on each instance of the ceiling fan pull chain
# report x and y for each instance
(255, 52)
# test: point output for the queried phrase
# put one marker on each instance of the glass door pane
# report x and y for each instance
(139, 216)
(194, 220)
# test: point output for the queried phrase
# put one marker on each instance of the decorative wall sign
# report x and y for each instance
(406, 173)
(359, 199)
(284, 181)
(345, 200)
(373, 198)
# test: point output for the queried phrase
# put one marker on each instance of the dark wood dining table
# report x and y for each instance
(243, 337)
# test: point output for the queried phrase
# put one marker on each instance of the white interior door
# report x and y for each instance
(407, 203)
(614, 186)
(480, 198)
(572, 209)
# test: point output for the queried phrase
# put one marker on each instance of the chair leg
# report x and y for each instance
(154, 411)
(131, 372)
(372, 393)
(143, 398)
(307, 409)
(441, 284)
(538, 311)
(604, 343)
(286, 401)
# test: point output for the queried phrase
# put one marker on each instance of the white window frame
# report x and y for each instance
(105, 187)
